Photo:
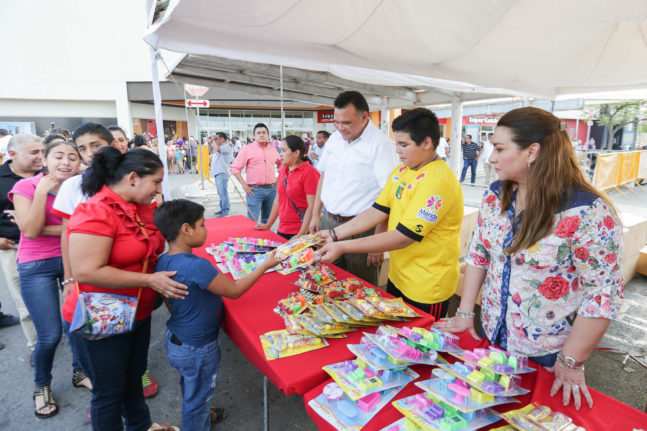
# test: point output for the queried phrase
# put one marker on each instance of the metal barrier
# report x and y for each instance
(615, 170)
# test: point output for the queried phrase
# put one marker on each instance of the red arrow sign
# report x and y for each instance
(197, 103)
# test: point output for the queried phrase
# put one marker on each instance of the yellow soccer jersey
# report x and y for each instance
(427, 206)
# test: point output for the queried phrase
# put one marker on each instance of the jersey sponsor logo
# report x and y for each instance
(435, 202)
(427, 215)
(421, 176)
(418, 228)
(396, 178)
(402, 169)
(399, 190)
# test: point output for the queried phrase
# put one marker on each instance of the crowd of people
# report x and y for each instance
(85, 215)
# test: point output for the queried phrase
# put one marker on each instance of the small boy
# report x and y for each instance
(423, 203)
(192, 331)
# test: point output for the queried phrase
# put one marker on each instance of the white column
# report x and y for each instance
(124, 119)
(157, 103)
(457, 134)
(385, 116)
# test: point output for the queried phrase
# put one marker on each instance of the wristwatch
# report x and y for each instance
(570, 362)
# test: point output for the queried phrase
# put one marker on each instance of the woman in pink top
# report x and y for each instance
(39, 260)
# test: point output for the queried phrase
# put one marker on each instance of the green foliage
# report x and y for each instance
(617, 115)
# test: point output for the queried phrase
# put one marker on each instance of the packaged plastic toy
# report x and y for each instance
(535, 417)
(299, 259)
(344, 414)
(375, 357)
(394, 307)
(358, 379)
(295, 303)
(318, 274)
(297, 244)
(497, 360)
(401, 349)
(485, 380)
(279, 344)
(433, 339)
(430, 413)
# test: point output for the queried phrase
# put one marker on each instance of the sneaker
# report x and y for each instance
(149, 385)
(8, 320)
(165, 427)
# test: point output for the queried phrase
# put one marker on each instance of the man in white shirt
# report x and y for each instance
(443, 148)
(317, 150)
(487, 152)
(354, 166)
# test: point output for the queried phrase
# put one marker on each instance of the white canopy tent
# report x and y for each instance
(428, 51)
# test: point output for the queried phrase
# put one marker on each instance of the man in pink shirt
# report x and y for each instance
(259, 160)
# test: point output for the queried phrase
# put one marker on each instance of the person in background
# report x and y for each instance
(471, 153)
(355, 166)
(487, 152)
(317, 150)
(193, 155)
(179, 159)
(546, 253)
(259, 160)
(297, 187)
(192, 343)
(120, 140)
(25, 160)
(40, 265)
(423, 204)
(221, 159)
(5, 137)
(443, 148)
(307, 141)
(113, 248)
(170, 156)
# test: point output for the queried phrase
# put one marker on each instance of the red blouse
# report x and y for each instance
(108, 214)
(301, 181)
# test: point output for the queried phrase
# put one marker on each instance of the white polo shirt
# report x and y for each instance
(355, 172)
(69, 196)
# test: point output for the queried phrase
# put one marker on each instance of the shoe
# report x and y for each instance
(165, 427)
(218, 213)
(47, 401)
(8, 320)
(81, 380)
(217, 414)
(149, 385)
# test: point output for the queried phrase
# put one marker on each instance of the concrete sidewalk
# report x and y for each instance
(240, 383)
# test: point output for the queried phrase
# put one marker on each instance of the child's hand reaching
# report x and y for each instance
(272, 260)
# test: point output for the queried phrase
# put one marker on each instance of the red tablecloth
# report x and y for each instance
(606, 414)
(251, 315)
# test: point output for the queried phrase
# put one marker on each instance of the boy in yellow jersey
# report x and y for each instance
(423, 202)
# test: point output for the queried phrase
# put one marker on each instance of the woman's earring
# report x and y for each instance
(528, 164)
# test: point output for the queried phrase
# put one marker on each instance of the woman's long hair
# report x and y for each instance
(552, 178)
(109, 166)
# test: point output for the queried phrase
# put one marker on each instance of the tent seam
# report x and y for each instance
(368, 18)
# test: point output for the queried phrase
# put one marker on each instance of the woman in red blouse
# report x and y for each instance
(296, 189)
(113, 247)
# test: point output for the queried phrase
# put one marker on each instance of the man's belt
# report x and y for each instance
(262, 186)
(340, 218)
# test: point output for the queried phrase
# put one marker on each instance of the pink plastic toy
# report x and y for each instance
(368, 402)
(461, 392)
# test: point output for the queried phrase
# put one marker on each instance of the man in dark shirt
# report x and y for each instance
(471, 153)
(26, 152)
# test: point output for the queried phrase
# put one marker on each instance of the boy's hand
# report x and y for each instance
(273, 260)
(330, 252)
(325, 234)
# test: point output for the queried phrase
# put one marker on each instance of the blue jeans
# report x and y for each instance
(76, 364)
(261, 203)
(198, 367)
(39, 289)
(116, 366)
(467, 164)
(223, 192)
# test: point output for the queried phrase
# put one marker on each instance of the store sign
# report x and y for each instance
(326, 116)
(197, 103)
(482, 119)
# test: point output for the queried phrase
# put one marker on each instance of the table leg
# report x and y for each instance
(265, 418)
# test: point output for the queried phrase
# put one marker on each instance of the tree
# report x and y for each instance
(615, 116)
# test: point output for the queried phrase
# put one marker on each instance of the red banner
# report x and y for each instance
(326, 116)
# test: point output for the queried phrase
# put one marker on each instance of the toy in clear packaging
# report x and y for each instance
(356, 315)
(369, 309)
(403, 424)
(351, 284)
(535, 417)
(497, 360)
(433, 339)
(299, 259)
(358, 379)
(295, 303)
(279, 344)
(334, 290)
(316, 327)
(394, 307)
(375, 357)
(345, 414)
(401, 349)
(296, 244)
(318, 274)
(485, 380)
(430, 413)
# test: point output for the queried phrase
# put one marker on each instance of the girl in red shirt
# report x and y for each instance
(296, 189)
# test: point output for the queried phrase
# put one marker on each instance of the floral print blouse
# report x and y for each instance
(530, 299)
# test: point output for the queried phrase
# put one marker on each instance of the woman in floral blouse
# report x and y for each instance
(547, 252)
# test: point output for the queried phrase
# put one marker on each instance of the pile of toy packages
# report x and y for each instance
(458, 397)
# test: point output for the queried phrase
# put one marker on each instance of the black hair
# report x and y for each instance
(62, 131)
(115, 128)
(296, 144)
(4, 132)
(325, 133)
(52, 137)
(354, 98)
(223, 135)
(93, 129)
(139, 141)
(260, 125)
(171, 215)
(418, 123)
(109, 166)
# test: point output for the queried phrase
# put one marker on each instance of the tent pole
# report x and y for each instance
(157, 103)
(457, 134)
(282, 112)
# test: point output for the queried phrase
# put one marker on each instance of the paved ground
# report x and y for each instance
(240, 384)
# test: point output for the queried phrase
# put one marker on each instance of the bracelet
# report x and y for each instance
(333, 234)
(67, 281)
(464, 314)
